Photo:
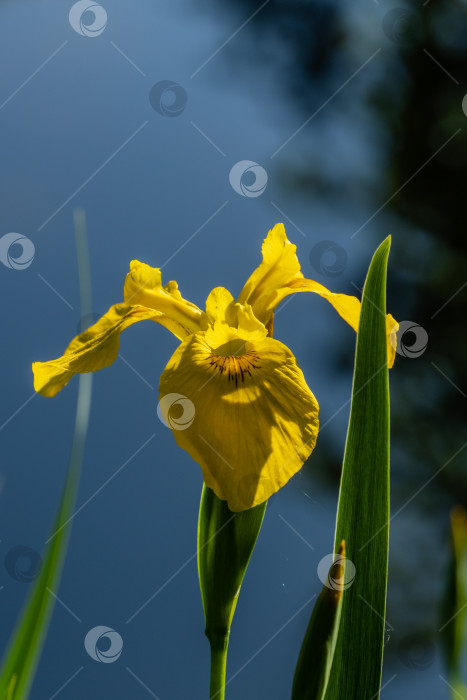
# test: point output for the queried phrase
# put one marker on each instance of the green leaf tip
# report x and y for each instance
(384, 245)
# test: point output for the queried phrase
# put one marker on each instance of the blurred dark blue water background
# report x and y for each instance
(354, 116)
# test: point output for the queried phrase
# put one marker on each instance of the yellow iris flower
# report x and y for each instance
(253, 419)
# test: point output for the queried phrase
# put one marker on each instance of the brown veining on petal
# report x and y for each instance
(235, 367)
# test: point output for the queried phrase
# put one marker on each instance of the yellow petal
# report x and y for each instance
(253, 420)
(219, 309)
(143, 286)
(226, 321)
(279, 275)
(348, 307)
(96, 348)
(279, 266)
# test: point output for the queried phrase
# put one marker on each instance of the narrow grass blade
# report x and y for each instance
(363, 510)
(454, 612)
(23, 652)
(225, 543)
(317, 652)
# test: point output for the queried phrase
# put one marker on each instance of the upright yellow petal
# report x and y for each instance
(96, 348)
(226, 321)
(252, 421)
(279, 266)
(143, 286)
(219, 309)
(279, 275)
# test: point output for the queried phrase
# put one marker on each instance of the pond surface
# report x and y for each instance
(186, 131)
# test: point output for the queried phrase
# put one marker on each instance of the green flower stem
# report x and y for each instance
(219, 645)
(225, 543)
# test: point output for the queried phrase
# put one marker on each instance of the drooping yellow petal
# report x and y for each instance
(96, 348)
(143, 286)
(348, 307)
(279, 275)
(391, 338)
(252, 422)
